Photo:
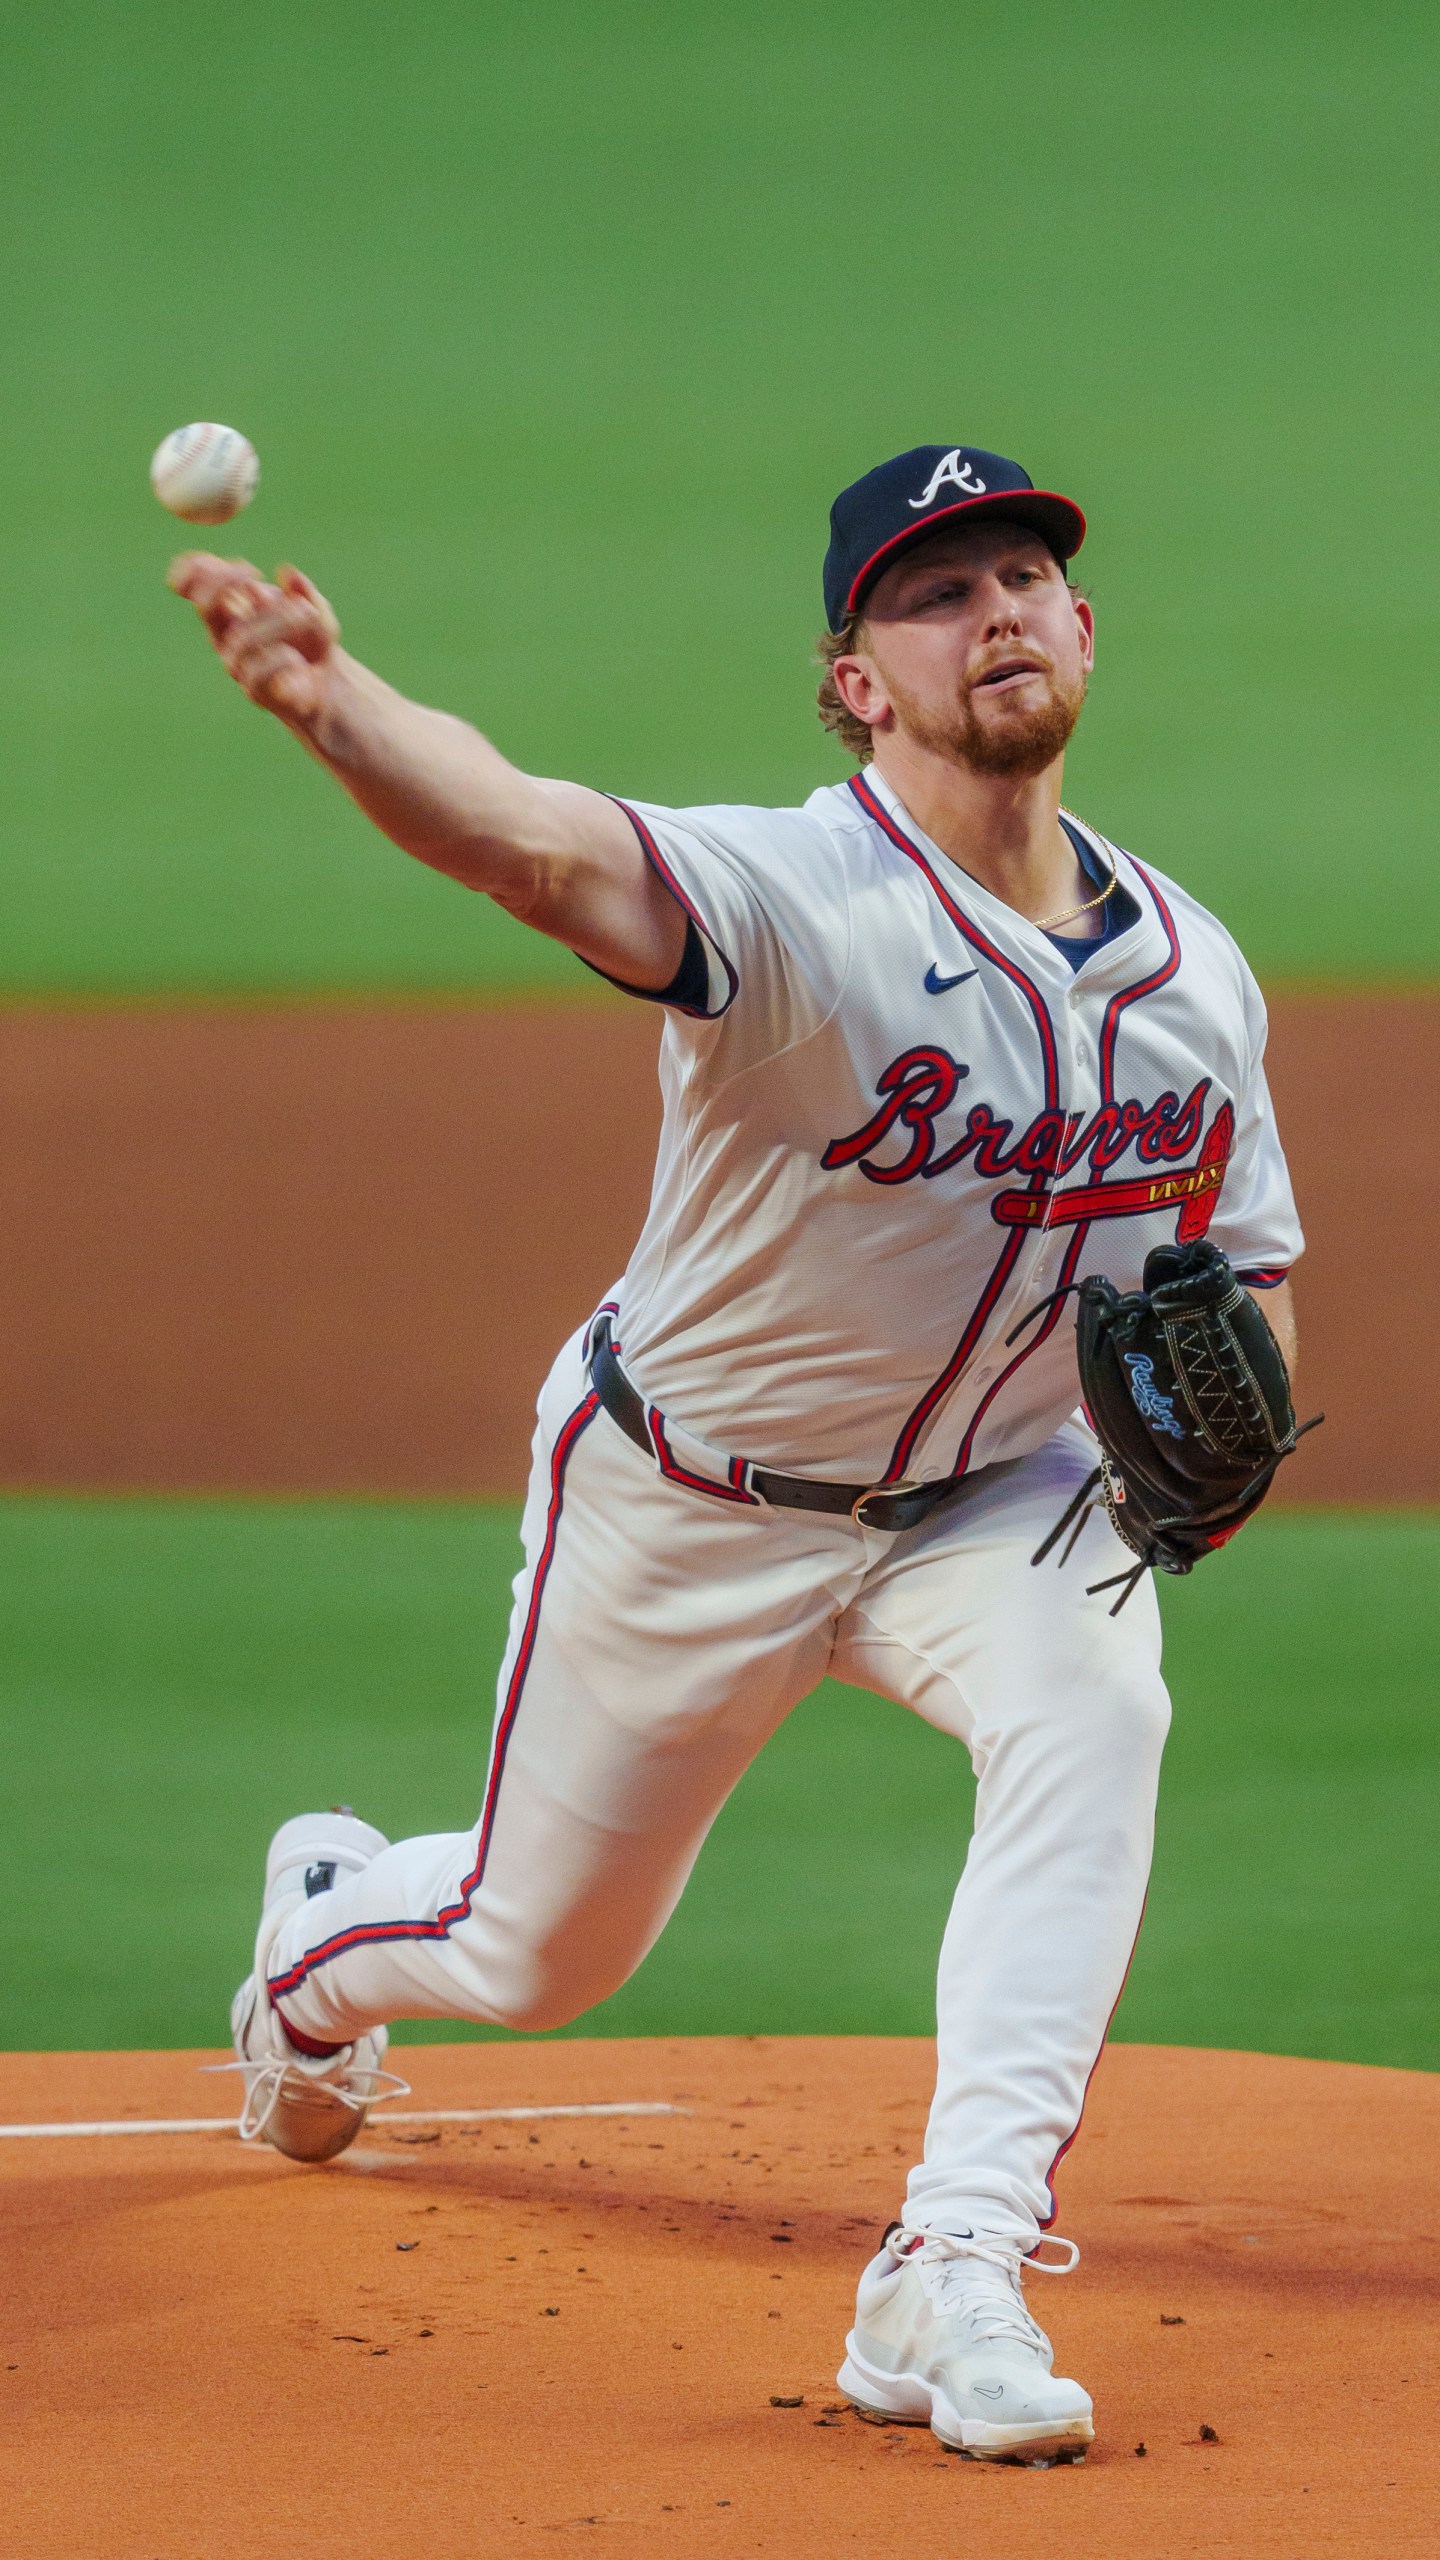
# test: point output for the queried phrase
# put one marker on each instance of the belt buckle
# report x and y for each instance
(881, 1492)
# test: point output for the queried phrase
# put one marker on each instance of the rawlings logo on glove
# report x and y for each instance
(1184, 1383)
(1157, 1409)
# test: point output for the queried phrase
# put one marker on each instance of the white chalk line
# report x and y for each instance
(405, 2115)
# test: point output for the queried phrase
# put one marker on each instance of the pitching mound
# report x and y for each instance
(494, 2338)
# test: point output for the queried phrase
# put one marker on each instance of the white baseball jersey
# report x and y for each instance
(897, 1122)
(901, 1121)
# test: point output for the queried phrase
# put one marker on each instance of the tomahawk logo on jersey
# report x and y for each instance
(903, 1119)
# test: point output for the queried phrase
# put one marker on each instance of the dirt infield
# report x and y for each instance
(521, 2336)
(333, 1248)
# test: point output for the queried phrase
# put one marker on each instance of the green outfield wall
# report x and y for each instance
(557, 329)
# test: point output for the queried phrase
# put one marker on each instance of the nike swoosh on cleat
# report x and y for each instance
(935, 985)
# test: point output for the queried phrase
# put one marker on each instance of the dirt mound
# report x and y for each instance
(502, 2338)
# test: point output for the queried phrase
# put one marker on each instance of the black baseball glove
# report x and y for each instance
(1190, 1401)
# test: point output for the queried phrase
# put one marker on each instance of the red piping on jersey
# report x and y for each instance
(611, 1308)
(1143, 987)
(372, 1933)
(994, 499)
(653, 854)
(1109, 1033)
(735, 1489)
(978, 941)
(936, 1393)
(1108, 1036)
(1041, 1333)
(1047, 2220)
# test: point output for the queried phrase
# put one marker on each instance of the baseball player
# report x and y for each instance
(934, 1053)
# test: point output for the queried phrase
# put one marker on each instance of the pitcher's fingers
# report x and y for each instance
(200, 576)
(248, 648)
(245, 600)
(259, 617)
(186, 568)
(226, 592)
(295, 583)
(309, 623)
(259, 670)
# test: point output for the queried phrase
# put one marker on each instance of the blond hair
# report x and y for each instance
(835, 715)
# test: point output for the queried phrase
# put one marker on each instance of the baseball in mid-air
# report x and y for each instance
(205, 473)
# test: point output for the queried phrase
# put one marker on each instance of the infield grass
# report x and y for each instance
(558, 329)
(176, 1679)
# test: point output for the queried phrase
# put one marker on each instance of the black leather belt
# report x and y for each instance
(891, 1507)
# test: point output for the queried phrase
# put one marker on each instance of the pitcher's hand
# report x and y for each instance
(277, 641)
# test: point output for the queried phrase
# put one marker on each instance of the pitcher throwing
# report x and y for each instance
(934, 1053)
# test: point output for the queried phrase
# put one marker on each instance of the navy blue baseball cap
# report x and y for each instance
(898, 503)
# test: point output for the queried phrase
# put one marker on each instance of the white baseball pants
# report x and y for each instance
(659, 1637)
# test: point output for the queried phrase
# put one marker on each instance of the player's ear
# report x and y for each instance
(1086, 620)
(860, 687)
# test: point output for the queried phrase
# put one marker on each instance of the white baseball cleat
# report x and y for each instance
(942, 2339)
(310, 2106)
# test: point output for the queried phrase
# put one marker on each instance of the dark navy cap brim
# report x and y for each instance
(1057, 520)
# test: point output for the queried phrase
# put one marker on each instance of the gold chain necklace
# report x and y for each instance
(1047, 924)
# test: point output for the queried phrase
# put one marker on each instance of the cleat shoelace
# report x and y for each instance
(265, 2086)
(980, 2279)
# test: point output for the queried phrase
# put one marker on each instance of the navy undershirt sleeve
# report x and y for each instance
(690, 985)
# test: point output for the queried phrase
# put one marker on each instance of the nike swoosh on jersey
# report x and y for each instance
(935, 985)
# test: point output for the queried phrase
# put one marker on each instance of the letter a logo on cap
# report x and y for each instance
(874, 519)
(957, 471)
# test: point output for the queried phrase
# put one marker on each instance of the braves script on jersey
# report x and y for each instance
(902, 1121)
